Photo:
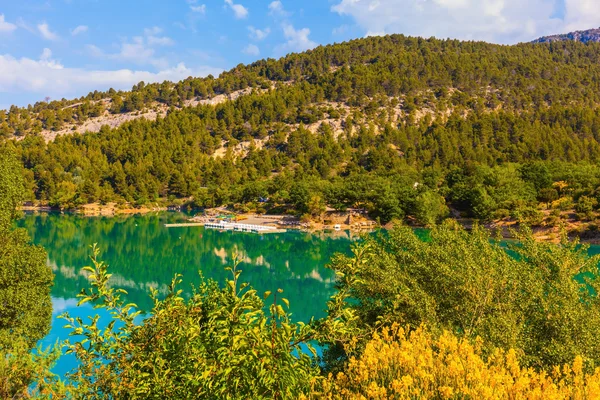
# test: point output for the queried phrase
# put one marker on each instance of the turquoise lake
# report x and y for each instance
(142, 253)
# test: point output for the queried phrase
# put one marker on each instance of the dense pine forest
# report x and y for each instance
(402, 127)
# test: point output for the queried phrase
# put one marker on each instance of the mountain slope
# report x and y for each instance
(392, 66)
(590, 35)
(401, 127)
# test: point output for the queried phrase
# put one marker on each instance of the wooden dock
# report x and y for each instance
(184, 225)
(230, 226)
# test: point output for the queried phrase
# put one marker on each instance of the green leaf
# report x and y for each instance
(83, 301)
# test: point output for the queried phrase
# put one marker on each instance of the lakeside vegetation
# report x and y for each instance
(25, 305)
(408, 129)
(448, 315)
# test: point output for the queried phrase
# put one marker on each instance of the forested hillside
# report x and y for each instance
(403, 127)
(519, 76)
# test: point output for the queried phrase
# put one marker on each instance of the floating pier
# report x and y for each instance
(231, 226)
(184, 225)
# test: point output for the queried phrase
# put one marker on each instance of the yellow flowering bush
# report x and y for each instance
(401, 365)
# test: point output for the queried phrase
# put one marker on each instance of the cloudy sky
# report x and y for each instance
(66, 48)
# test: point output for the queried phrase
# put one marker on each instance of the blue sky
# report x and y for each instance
(66, 48)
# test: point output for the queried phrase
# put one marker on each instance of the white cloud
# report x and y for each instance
(155, 30)
(139, 50)
(23, 25)
(501, 21)
(6, 27)
(46, 33)
(239, 10)
(180, 25)
(251, 50)
(47, 77)
(78, 30)
(46, 57)
(297, 40)
(258, 34)
(339, 30)
(160, 41)
(135, 51)
(582, 14)
(95, 51)
(276, 9)
(199, 9)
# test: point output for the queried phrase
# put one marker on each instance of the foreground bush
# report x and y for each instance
(401, 365)
(537, 298)
(219, 344)
(25, 303)
(25, 374)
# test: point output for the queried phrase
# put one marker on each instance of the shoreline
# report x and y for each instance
(335, 222)
(331, 221)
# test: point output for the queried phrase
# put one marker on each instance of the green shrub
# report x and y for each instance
(586, 205)
(465, 283)
(218, 344)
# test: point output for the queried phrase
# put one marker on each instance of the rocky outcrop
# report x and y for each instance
(591, 35)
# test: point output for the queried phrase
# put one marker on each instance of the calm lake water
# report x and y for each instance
(142, 253)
